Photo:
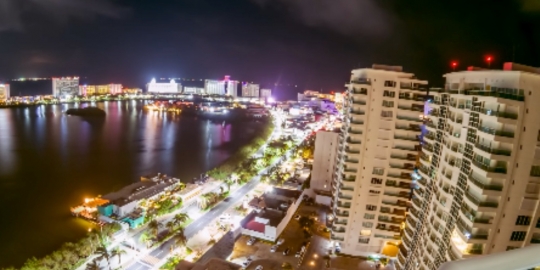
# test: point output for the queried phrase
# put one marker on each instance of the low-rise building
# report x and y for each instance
(271, 213)
(190, 193)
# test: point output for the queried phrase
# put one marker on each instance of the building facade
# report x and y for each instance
(221, 87)
(266, 93)
(324, 160)
(379, 145)
(105, 89)
(4, 92)
(170, 87)
(65, 86)
(479, 173)
(250, 90)
(193, 90)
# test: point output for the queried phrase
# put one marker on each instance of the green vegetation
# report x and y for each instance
(74, 254)
(231, 165)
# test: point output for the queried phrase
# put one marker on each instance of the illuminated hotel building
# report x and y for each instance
(170, 87)
(379, 145)
(479, 172)
(250, 90)
(132, 91)
(65, 86)
(266, 93)
(105, 89)
(224, 87)
(4, 92)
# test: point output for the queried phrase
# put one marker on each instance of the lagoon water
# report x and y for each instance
(50, 161)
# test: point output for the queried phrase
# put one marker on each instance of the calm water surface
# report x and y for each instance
(50, 161)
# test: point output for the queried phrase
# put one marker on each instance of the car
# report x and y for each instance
(286, 251)
(259, 267)
(297, 217)
(298, 254)
(251, 241)
(227, 199)
(247, 262)
(273, 248)
(280, 241)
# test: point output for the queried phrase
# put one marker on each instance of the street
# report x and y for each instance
(163, 250)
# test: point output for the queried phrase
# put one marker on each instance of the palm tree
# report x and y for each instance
(234, 178)
(145, 239)
(154, 227)
(170, 226)
(93, 265)
(180, 218)
(204, 200)
(103, 253)
(118, 252)
(180, 238)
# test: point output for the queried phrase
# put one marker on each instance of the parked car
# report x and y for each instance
(280, 241)
(251, 241)
(297, 217)
(259, 267)
(286, 251)
(247, 262)
(273, 248)
(298, 254)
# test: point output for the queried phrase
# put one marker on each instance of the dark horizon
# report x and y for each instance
(266, 41)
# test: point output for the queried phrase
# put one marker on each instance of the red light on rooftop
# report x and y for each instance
(489, 58)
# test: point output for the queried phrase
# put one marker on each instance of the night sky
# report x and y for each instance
(309, 43)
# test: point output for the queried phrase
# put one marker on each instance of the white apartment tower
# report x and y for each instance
(379, 146)
(324, 160)
(479, 172)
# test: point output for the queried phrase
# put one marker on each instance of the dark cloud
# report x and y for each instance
(349, 17)
(14, 12)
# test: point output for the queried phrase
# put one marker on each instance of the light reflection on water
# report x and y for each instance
(50, 161)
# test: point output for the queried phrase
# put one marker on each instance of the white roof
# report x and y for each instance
(517, 259)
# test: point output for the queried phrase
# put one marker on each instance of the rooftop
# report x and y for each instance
(144, 189)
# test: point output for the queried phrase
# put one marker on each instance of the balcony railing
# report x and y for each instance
(411, 108)
(351, 141)
(358, 101)
(352, 131)
(342, 214)
(351, 160)
(406, 138)
(479, 183)
(391, 228)
(402, 194)
(359, 91)
(398, 203)
(479, 202)
(344, 205)
(361, 81)
(408, 157)
(489, 168)
(409, 118)
(391, 220)
(400, 175)
(345, 197)
(492, 131)
(488, 149)
(404, 148)
(357, 112)
(351, 151)
(343, 222)
(409, 127)
(495, 113)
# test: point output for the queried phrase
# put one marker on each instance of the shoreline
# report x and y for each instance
(235, 158)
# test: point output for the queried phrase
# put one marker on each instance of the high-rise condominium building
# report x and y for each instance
(479, 172)
(379, 146)
(324, 160)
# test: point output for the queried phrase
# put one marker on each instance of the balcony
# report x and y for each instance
(422, 182)
(350, 160)
(401, 157)
(407, 138)
(412, 108)
(345, 197)
(391, 228)
(409, 118)
(342, 187)
(399, 203)
(338, 229)
(406, 148)
(348, 178)
(350, 170)
(357, 112)
(361, 81)
(402, 185)
(357, 122)
(479, 202)
(492, 131)
(406, 166)
(362, 91)
(391, 220)
(358, 101)
(409, 127)
(479, 183)
(351, 141)
(488, 112)
(352, 131)
(402, 194)
(343, 205)
(387, 210)
(341, 222)
(417, 202)
(352, 151)
(493, 151)
(400, 175)
(342, 214)
(466, 232)
(337, 238)
(489, 169)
